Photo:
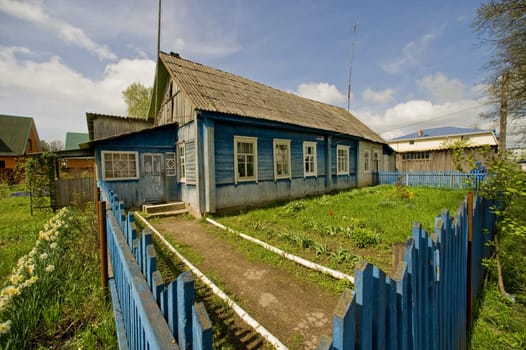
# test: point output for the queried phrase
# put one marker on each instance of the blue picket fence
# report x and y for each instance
(447, 179)
(425, 302)
(149, 315)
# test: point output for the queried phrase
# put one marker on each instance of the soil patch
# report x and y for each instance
(295, 311)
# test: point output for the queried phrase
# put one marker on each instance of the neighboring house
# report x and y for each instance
(18, 138)
(74, 139)
(74, 162)
(104, 125)
(432, 149)
(221, 142)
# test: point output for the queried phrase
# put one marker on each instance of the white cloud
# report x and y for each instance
(323, 92)
(59, 95)
(407, 117)
(442, 88)
(197, 29)
(380, 97)
(411, 54)
(34, 12)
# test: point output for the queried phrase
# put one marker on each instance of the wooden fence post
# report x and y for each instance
(103, 244)
(469, 267)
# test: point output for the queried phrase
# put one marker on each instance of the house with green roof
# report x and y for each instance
(74, 139)
(18, 138)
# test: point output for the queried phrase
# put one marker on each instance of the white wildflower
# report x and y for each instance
(50, 268)
(44, 256)
(5, 326)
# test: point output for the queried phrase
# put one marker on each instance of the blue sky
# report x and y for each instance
(416, 64)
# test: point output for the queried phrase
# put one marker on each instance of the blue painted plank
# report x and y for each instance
(364, 305)
(201, 328)
(344, 322)
(185, 300)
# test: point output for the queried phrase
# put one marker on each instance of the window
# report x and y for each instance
(120, 165)
(376, 161)
(281, 159)
(366, 161)
(182, 162)
(411, 142)
(152, 164)
(170, 163)
(342, 153)
(245, 158)
(309, 159)
(416, 156)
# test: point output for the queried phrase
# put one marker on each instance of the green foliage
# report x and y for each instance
(137, 98)
(53, 294)
(501, 25)
(363, 221)
(500, 324)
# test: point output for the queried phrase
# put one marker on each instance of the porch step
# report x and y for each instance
(165, 209)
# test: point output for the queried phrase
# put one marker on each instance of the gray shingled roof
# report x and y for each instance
(213, 90)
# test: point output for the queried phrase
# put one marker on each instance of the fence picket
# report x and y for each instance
(201, 328)
(185, 300)
(149, 310)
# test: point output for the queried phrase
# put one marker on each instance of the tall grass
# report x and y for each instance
(52, 299)
(18, 229)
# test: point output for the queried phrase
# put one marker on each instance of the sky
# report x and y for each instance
(416, 64)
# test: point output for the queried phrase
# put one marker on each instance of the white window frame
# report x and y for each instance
(310, 159)
(366, 161)
(254, 142)
(345, 169)
(170, 163)
(275, 144)
(120, 153)
(181, 162)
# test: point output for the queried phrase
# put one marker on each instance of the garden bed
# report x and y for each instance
(338, 230)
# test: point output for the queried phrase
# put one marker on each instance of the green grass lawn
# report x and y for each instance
(339, 229)
(18, 228)
(51, 298)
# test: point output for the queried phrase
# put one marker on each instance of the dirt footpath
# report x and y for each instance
(295, 311)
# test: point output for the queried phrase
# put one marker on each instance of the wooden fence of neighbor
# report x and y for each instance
(148, 314)
(426, 302)
(75, 191)
(447, 179)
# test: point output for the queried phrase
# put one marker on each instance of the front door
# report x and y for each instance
(153, 177)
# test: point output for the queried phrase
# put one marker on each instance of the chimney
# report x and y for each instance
(420, 133)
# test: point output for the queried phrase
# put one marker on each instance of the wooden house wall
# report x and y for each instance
(267, 189)
(176, 107)
(107, 127)
(441, 160)
(132, 192)
(187, 191)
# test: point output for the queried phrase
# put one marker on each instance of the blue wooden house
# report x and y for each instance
(220, 141)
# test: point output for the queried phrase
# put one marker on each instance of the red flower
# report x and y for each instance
(331, 213)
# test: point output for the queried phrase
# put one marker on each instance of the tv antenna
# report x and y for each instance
(355, 28)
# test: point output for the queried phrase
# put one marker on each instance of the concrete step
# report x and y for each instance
(165, 209)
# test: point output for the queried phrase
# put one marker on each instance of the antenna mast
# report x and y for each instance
(156, 91)
(355, 27)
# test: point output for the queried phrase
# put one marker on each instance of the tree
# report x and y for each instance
(137, 98)
(52, 146)
(501, 25)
